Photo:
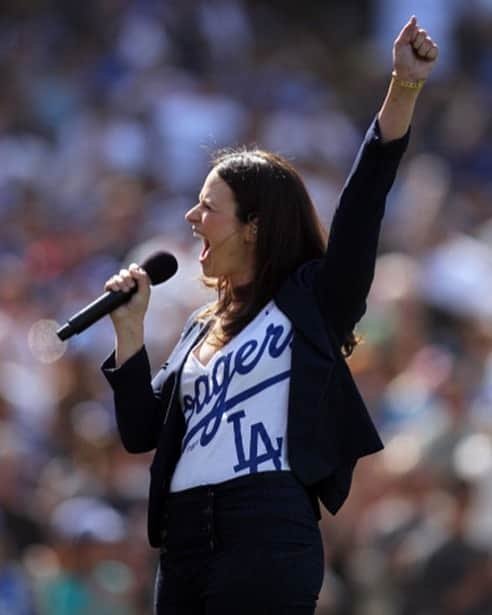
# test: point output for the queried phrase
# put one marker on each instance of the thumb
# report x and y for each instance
(408, 33)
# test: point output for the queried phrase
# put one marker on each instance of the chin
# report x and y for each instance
(209, 272)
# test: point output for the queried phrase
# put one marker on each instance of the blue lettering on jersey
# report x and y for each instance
(214, 388)
(257, 432)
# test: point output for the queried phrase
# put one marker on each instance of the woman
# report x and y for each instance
(255, 416)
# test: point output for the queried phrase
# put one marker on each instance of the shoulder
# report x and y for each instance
(304, 277)
(297, 292)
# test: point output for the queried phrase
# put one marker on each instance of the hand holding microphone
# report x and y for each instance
(120, 290)
(135, 282)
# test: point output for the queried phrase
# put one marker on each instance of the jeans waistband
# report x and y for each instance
(260, 479)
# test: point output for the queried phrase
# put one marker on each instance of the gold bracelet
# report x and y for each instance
(411, 85)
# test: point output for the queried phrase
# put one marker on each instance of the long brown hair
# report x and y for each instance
(269, 192)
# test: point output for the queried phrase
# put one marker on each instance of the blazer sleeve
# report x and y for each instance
(345, 274)
(139, 401)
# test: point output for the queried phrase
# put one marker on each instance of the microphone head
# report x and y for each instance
(160, 267)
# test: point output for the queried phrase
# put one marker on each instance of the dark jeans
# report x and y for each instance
(250, 545)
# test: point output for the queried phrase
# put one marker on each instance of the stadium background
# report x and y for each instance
(109, 111)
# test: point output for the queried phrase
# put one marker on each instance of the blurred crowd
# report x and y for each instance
(109, 113)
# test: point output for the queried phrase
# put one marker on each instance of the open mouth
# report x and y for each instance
(205, 250)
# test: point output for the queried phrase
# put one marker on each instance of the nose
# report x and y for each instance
(193, 214)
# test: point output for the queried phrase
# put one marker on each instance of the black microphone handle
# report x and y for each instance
(93, 312)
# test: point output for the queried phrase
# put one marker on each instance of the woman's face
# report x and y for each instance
(228, 244)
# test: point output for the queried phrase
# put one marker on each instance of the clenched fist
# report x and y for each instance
(134, 310)
(414, 53)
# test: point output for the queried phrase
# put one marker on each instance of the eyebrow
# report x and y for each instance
(206, 200)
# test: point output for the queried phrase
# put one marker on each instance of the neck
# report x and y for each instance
(239, 280)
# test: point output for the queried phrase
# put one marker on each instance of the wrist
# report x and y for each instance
(407, 82)
(127, 343)
(129, 331)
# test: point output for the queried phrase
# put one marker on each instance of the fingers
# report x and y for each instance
(408, 33)
(419, 38)
(433, 53)
(126, 279)
(411, 33)
(122, 281)
(424, 46)
(137, 273)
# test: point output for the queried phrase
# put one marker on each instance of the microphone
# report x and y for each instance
(159, 267)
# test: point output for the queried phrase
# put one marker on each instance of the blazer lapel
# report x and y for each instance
(185, 344)
(175, 363)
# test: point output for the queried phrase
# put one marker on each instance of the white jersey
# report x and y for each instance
(235, 407)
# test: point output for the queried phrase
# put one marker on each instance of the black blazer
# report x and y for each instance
(329, 427)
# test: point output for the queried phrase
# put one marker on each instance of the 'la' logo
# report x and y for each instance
(258, 432)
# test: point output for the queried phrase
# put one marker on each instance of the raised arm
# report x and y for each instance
(414, 55)
(347, 269)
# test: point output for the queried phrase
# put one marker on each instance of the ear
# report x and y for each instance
(251, 232)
